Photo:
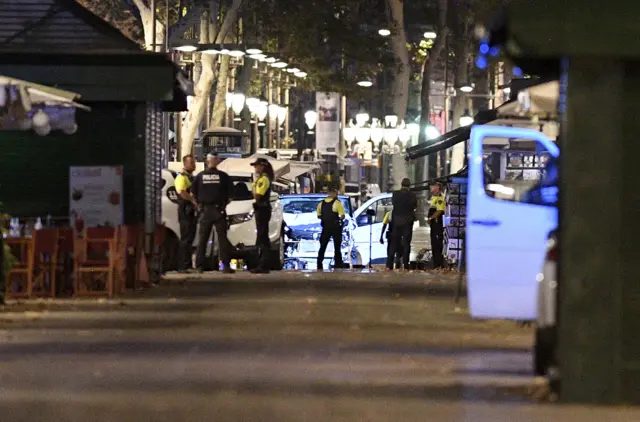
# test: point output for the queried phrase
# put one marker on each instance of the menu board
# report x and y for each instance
(95, 196)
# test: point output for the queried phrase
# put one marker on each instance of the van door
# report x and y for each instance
(366, 235)
(506, 238)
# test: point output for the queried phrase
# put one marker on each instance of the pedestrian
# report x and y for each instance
(262, 211)
(435, 218)
(212, 189)
(331, 215)
(186, 213)
(404, 210)
(394, 258)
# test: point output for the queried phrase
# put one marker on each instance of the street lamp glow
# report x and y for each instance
(253, 104)
(507, 90)
(224, 51)
(259, 57)
(262, 110)
(362, 134)
(391, 135)
(310, 118)
(253, 51)
(431, 132)
(186, 48)
(466, 88)
(270, 60)
(236, 53)
(273, 111)
(211, 51)
(362, 118)
(279, 65)
(301, 74)
(238, 103)
(293, 70)
(349, 133)
(466, 119)
(384, 32)
(430, 35)
(229, 99)
(282, 115)
(391, 120)
(404, 135)
(365, 84)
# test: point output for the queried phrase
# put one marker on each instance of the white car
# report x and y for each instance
(366, 235)
(242, 226)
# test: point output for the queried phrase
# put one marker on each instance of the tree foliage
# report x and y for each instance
(326, 38)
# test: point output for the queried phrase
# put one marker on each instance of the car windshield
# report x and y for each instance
(242, 188)
(307, 205)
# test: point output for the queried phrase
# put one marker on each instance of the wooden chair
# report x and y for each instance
(129, 249)
(22, 271)
(95, 256)
(45, 263)
(66, 247)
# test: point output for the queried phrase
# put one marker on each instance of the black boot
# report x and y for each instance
(263, 262)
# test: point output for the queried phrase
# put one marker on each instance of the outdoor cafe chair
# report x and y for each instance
(95, 262)
(18, 278)
(45, 263)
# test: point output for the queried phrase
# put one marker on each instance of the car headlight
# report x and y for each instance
(240, 218)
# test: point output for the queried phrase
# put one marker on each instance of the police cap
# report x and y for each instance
(259, 161)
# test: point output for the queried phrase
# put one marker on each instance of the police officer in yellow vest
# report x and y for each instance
(331, 215)
(262, 210)
(436, 222)
(394, 257)
(186, 212)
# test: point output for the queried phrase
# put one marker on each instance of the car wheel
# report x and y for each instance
(170, 248)
(277, 261)
(544, 348)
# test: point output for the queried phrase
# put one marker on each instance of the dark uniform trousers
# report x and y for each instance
(213, 216)
(262, 214)
(393, 256)
(401, 234)
(329, 231)
(437, 241)
(188, 226)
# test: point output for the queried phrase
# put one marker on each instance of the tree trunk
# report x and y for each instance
(400, 85)
(146, 14)
(219, 102)
(203, 88)
(428, 67)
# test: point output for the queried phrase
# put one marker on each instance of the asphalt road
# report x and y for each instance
(282, 347)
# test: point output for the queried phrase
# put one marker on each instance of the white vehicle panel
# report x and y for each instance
(506, 241)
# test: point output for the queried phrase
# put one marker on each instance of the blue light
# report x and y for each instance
(484, 48)
(481, 62)
(517, 72)
(494, 51)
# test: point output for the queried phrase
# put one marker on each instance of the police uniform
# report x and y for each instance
(393, 256)
(331, 213)
(187, 220)
(262, 211)
(404, 205)
(212, 189)
(437, 203)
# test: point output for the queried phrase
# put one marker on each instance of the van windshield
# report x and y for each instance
(241, 188)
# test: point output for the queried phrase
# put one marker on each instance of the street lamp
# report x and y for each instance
(377, 133)
(391, 120)
(279, 64)
(431, 132)
(270, 60)
(273, 111)
(262, 111)
(365, 84)
(236, 53)
(229, 99)
(253, 104)
(384, 32)
(466, 119)
(466, 88)
(282, 115)
(362, 118)
(260, 57)
(310, 118)
(254, 50)
(301, 74)
(363, 134)
(430, 35)
(237, 104)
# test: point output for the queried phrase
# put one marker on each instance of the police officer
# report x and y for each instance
(435, 217)
(393, 257)
(262, 210)
(331, 215)
(186, 213)
(404, 208)
(212, 189)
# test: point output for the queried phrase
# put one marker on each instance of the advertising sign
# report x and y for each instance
(95, 196)
(328, 125)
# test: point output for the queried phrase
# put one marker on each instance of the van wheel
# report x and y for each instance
(543, 353)
(170, 248)
(277, 259)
